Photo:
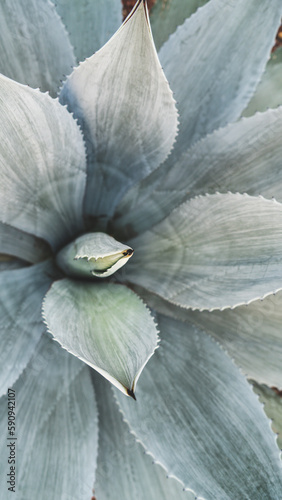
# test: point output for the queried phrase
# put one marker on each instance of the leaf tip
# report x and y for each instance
(131, 394)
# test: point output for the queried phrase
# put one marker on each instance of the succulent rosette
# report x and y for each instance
(141, 229)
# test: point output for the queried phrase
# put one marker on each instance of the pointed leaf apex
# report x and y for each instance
(131, 394)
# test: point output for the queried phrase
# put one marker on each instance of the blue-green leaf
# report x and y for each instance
(56, 428)
(21, 295)
(166, 15)
(90, 23)
(124, 471)
(105, 325)
(251, 334)
(215, 60)
(212, 252)
(242, 157)
(22, 245)
(198, 417)
(269, 91)
(123, 101)
(42, 164)
(35, 48)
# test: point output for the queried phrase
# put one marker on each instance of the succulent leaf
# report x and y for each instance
(269, 91)
(166, 16)
(30, 34)
(105, 325)
(90, 23)
(195, 411)
(56, 424)
(22, 245)
(42, 163)
(125, 106)
(250, 334)
(122, 466)
(213, 43)
(242, 157)
(21, 295)
(212, 252)
(93, 254)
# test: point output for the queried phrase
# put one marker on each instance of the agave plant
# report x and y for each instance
(143, 240)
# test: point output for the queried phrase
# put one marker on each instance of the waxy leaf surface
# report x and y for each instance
(105, 325)
(215, 60)
(212, 252)
(35, 48)
(21, 295)
(125, 106)
(56, 427)
(42, 164)
(122, 466)
(194, 411)
(90, 23)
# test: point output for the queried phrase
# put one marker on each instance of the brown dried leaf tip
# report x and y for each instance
(129, 4)
(278, 42)
(277, 391)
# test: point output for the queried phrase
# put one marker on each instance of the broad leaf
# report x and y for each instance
(105, 325)
(250, 334)
(42, 164)
(199, 418)
(212, 252)
(56, 428)
(93, 254)
(269, 91)
(125, 106)
(90, 23)
(21, 295)
(22, 245)
(220, 53)
(122, 466)
(272, 401)
(35, 48)
(242, 157)
(166, 16)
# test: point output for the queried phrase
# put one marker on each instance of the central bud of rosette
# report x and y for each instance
(93, 254)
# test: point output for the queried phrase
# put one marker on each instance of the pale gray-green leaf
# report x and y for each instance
(272, 400)
(215, 60)
(105, 325)
(212, 252)
(166, 15)
(42, 164)
(35, 48)
(269, 91)
(251, 334)
(22, 245)
(93, 254)
(197, 415)
(56, 424)
(125, 106)
(90, 23)
(244, 157)
(122, 466)
(21, 295)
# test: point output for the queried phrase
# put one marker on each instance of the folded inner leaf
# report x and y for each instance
(212, 252)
